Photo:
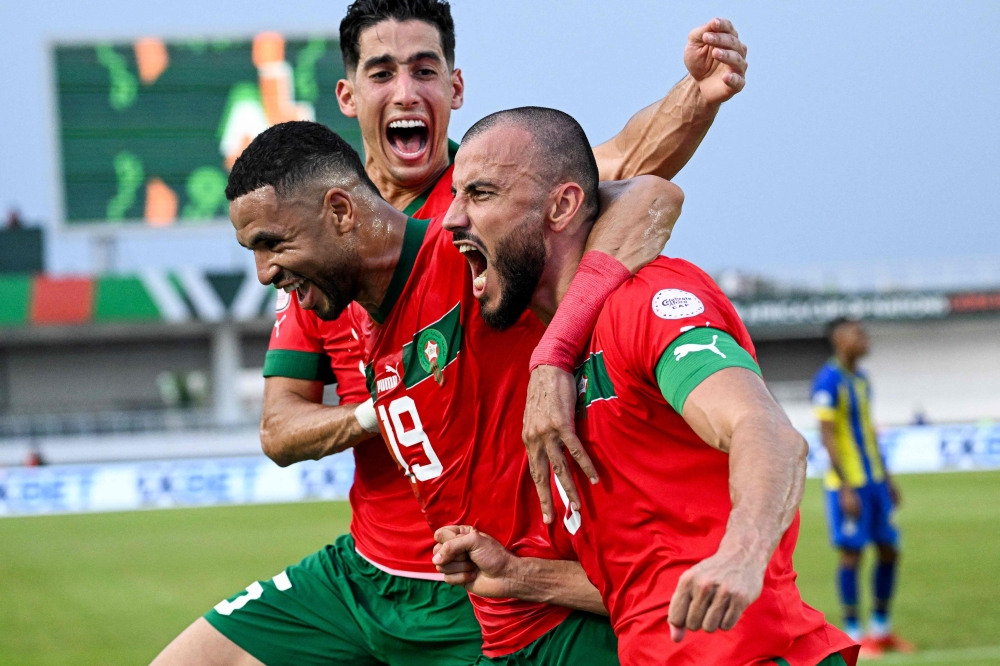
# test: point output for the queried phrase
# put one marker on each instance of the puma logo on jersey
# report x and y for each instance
(277, 325)
(388, 383)
(691, 348)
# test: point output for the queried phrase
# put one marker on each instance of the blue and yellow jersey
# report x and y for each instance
(844, 399)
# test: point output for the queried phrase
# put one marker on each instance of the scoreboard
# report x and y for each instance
(149, 129)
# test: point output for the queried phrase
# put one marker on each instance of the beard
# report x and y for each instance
(518, 264)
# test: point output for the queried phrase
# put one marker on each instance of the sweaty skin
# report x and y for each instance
(296, 426)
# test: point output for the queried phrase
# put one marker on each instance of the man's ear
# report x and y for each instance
(339, 212)
(565, 202)
(457, 90)
(345, 98)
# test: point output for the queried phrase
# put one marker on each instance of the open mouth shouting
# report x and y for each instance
(306, 291)
(408, 138)
(477, 263)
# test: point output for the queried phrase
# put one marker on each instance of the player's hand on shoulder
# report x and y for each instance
(714, 593)
(716, 59)
(474, 560)
(549, 427)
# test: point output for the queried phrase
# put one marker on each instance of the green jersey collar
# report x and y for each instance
(413, 238)
(419, 202)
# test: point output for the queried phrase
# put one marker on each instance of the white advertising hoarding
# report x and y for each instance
(256, 480)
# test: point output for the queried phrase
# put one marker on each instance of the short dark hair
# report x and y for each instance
(835, 324)
(366, 13)
(560, 143)
(290, 154)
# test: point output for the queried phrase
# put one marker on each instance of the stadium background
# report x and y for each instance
(132, 332)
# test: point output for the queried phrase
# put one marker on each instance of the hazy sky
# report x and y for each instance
(867, 130)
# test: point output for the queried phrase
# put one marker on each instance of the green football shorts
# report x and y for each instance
(334, 607)
(833, 660)
(582, 638)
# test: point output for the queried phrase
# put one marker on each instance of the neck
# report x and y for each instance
(849, 362)
(563, 258)
(381, 245)
(400, 195)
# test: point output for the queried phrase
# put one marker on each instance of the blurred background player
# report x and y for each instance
(860, 494)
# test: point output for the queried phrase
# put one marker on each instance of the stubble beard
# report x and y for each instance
(518, 264)
(339, 286)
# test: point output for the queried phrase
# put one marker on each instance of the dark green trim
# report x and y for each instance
(678, 376)
(413, 238)
(448, 333)
(370, 381)
(311, 366)
(834, 659)
(419, 202)
(593, 382)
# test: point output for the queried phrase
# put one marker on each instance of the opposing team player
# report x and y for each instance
(694, 519)
(448, 390)
(860, 494)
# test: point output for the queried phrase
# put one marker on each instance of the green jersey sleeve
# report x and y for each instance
(311, 366)
(694, 357)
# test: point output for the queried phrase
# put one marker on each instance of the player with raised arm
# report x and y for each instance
(860, 494)
(402, 85)
(694, 520)
(447, 401)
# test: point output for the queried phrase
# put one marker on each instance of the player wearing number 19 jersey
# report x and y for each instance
(664, 500)
(374, 593)
(387, 527)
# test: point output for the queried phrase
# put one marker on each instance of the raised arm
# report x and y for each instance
(661, 138)
(481, 565)
(733, 411)
(637, 218)
(295, 424)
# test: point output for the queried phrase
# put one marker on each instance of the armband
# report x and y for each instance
(598, 276)
(365, 414)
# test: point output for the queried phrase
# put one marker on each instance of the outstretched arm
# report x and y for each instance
(733, 411)
(295, 425)
(661, 138)
(481, 565)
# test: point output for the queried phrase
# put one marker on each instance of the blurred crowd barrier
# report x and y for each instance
(255, 479)
(174, 483)
(918, 449)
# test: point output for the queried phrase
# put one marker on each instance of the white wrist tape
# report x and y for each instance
(365, 414)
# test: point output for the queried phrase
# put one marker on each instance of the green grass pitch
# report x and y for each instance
(116, 588)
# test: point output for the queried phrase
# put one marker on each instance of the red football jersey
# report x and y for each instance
(387, 525)
(451, 409)
(663, 500)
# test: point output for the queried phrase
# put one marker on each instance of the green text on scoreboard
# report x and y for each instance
(149, 129)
